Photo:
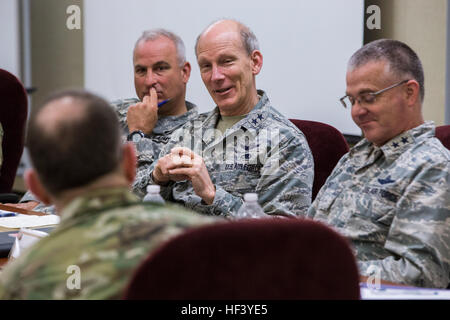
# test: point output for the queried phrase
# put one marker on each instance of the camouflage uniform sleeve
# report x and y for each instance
(10, 278)
(285, 186)
(419, 234)
(3, 295)
(28, 196)
(121, 106)
(141, 181)
(3, 292)
(311, 213)
(144, 178)
(312, 209)
(147, 152)
(41, 207)
(144, 148)
(287, 190)
(146, 164)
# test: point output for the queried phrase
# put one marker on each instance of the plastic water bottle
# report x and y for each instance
(153, 195)
(250, 208)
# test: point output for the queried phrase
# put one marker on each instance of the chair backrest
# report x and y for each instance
(13, 117)
(443, 134)
(327, 145)
(262, 259)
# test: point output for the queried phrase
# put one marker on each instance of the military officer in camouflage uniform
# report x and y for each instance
(390, 194)
(159, 61)
(105, 231)
(244, 145)
(161, 73)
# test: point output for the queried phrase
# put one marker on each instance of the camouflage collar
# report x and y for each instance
(252, 121)
(99, 199)
(256, 117)
(166, 125)
(400, 143)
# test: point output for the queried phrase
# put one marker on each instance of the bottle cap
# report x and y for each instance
(153, 188)
(250, 197)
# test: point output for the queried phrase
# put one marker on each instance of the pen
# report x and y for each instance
(7, 214)
(160, 104)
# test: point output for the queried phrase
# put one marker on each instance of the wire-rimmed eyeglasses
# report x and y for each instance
(367, 97)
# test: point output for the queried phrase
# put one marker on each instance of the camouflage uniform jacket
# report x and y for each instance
(271, 158)
(106, 234)
(393, 202)
(150, 146)
(147, 148)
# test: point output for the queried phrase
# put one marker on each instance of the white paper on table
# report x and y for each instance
(28, 221)
(403, 293)
(6, 211)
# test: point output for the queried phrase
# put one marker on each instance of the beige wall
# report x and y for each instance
(422, 24)
(57, 54)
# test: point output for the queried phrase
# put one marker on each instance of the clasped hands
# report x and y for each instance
(184, 164)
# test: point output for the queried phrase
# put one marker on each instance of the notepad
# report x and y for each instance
(28, 221)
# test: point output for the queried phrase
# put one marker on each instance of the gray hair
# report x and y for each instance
(154, 34)
(248, 38)
(402, 60)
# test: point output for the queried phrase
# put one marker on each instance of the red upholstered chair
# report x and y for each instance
(327, 145)
(250, 259)
(443, 134)
(13, 116)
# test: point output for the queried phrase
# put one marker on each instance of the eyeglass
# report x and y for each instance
(367, 97)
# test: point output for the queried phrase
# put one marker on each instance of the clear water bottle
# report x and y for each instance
(153, 195)
(250, 208)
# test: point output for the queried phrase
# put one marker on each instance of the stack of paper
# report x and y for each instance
(28, 221)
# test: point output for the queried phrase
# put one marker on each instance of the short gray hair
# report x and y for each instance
(248, 38)
(153, 34)
(402, 60)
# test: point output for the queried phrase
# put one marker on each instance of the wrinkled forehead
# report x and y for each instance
(370, 69)
(161, 46)
(375, 65)
(225, 43)
(368, 77)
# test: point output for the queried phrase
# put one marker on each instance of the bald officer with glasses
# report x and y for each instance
(390, 194)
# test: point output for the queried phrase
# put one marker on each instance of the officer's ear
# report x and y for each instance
(257, 61)
(35, 186)
(186, 72)
(412, 92)
(129, 162)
